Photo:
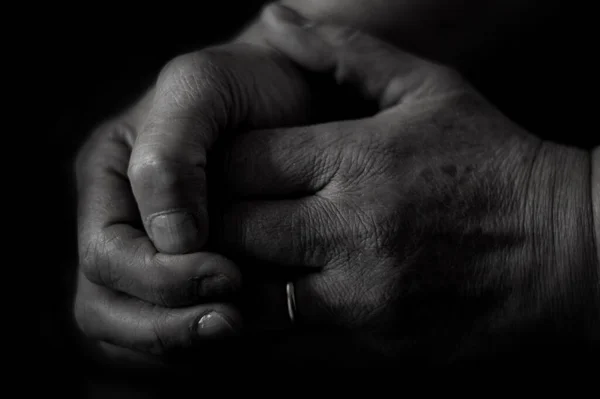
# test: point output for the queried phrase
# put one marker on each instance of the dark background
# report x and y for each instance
(97, 60)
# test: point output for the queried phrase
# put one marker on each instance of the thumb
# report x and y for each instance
(198, 98)
(379, 70)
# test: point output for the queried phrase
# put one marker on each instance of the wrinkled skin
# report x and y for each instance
(431, 226)
(145, 288)
(426, 229)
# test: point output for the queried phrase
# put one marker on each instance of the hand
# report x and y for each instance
(433, 227)
(143, 284)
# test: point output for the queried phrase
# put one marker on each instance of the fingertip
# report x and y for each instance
(219, 286)
(220, 322)
(177, 232)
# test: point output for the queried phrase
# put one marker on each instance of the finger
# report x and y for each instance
(123, 259)
(380, 71)
(198, 97)
(114, 253)
(167, 165)
(285, 162)
(286, 299)
(319, 159)
(297, 233)
(130, 323)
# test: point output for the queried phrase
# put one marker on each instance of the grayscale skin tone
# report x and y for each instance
(438, 193)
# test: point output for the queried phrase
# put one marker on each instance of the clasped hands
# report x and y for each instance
(406, 232)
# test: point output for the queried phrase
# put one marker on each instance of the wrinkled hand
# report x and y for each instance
(431, 227)
(145, 278)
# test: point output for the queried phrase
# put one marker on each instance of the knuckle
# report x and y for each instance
(89, 259)
(190, 75)
(179, 66)
(98, 260)
(153, 166)
(306, 237)
(366, 160)
(373, 227)
(196, 91)
(318, 235)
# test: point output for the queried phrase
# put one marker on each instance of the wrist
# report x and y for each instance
(564, 238)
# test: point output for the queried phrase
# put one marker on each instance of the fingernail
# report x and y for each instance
(174, 232)
(214, 325)
(288, 15)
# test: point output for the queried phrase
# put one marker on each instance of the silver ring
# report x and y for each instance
(291, 300)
